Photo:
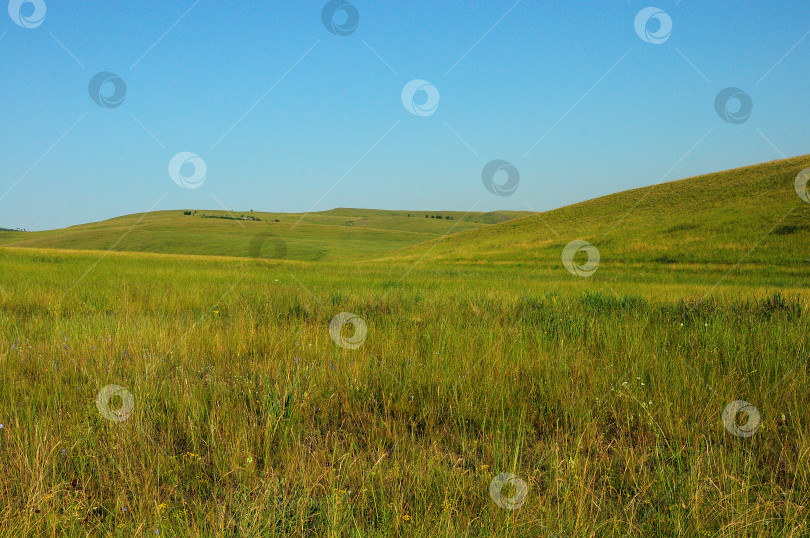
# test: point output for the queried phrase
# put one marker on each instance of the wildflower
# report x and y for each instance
(406, 517)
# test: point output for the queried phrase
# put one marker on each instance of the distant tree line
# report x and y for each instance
(226, 217)
(232, 217)
(428, 216)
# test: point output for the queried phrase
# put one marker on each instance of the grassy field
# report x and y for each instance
(336, 234)
(250, 416)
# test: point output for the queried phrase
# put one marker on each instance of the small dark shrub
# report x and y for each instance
(776, 304)
(788, 229)
(608, 303)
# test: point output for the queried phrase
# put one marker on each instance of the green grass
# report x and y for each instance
(335, 234)
(603, 394)
(716, 218)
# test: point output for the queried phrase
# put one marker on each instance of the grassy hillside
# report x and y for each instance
(335, 234)
(716, 219)
(712, 219)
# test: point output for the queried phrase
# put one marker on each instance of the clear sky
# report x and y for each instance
(288, 116)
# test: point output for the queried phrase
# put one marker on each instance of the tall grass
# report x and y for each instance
(249, 420)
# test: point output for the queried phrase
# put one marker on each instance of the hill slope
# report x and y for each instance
(336, 234)
(750, 214)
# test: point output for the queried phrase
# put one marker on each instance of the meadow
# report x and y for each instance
(603, 396)
(336, 234)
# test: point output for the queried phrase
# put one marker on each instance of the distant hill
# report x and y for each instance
(343, 233)
(751, 215)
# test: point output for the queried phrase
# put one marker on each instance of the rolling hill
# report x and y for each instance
(749, 215)
(336, 234)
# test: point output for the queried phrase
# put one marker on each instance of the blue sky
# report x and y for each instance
(290, 117)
